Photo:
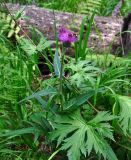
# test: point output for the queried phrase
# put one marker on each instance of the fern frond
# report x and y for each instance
(125, 113)
(90, 6)
(108, 60)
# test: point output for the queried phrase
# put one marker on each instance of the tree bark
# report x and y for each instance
(104, 34)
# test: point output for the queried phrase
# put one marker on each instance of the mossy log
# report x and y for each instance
(104, 34)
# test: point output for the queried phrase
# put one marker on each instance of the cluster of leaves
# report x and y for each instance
(9, 26)
(18, 74)
(79, 118)
(103, 7)
(85, 113)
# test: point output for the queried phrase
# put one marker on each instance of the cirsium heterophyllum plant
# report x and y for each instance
(84, 112)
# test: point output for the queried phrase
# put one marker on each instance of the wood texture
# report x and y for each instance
(104, 33)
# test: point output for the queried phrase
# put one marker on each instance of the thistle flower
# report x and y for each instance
(66, 35)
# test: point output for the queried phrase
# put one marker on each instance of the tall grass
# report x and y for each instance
(17, 79)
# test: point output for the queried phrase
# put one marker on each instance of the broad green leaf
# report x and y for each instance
(103, 116)
(125, 113)
(57, 64)
(44, 92)
(79, 137)
(74, 103)
(82, 72)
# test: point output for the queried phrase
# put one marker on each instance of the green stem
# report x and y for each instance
(61, 78)
(54, 154)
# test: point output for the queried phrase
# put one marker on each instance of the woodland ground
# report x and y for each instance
(80, 109)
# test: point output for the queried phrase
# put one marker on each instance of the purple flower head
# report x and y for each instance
(66, 35)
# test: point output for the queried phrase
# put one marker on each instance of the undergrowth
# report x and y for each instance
(88, 117)
(17, 78)
(101, 7)
(81, 111)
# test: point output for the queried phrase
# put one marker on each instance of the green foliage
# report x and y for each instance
(65, 5)
(17, 77)
(11, 74)
(81, 46)
(108, 60)
(125, 113)
(78, 129)
(91, 135)
(103, 7)
(8, 26)
(82, 71)
(30, 48)
(100, 7)
(57, 64)
(21, 1)
(82, 111)
(126, 8)
(90, 6)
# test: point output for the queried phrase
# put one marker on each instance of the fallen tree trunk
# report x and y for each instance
(104, 33)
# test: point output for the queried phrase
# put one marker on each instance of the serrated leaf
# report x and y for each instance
(83, 71)
(102, 117)
(27, 46)
(43, 44)
(125, 113)
(78, 137)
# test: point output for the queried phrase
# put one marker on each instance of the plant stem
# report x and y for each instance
(61, 78)
(54, 154)
(93, 107)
